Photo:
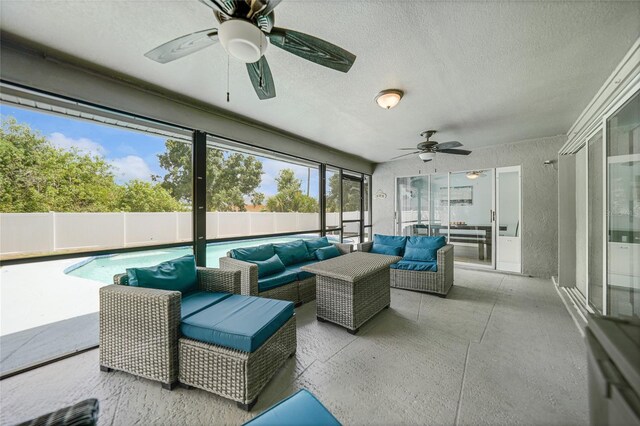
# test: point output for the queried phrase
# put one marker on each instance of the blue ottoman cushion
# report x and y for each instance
(238, 322)
(195, 302)
(301, 409)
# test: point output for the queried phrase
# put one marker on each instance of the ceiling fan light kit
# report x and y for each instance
(427, 156)
(389, 98)
(473, 175)
(246, 29)
(242, 40)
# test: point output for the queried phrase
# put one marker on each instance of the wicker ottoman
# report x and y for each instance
(351, 289)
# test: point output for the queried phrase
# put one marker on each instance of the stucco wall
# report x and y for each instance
(539, 193)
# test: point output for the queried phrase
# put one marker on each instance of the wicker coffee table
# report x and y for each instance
(352, 288)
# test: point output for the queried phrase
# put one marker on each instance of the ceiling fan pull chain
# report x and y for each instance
(260, 67)
(227, 78)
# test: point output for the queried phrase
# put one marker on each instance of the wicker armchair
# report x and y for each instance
(140, 334)
(139, 327)
(298, 292)
(439, 282)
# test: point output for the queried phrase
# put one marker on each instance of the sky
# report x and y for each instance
(133, 155)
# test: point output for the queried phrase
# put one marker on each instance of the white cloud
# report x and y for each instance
(85, 145)
(131, 167)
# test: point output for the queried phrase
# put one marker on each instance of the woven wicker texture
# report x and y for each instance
(84, 413)
(351, 289)
(439, 282)
(296, 291)
(139, 327)
(233, 374)
(351, 267)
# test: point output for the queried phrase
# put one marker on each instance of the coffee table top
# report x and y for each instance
(352, 266)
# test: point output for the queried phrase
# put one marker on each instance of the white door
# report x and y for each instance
(508, 219)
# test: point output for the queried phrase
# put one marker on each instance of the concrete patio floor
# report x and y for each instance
(501, 349)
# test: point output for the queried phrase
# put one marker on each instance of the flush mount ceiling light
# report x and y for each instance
(389, 98)
(242, 40)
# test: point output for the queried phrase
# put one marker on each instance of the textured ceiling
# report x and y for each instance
(483, 73)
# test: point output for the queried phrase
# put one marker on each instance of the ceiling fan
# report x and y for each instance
(246, 29)
(427, 150)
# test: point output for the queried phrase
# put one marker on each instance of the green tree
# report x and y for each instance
(290, 197)
(231, 177)
(38, 177)
(140, 196)
(351, 195)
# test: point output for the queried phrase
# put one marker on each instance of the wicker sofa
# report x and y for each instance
(142, 333)
(299, 290)
(438, 282)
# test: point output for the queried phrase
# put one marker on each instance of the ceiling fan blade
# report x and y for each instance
(228, 7)
(448, 145)
(183, 46)
(271, 4)
(455, 151)
(405, 155)
(406, 149)
(261, 78)
(312, 49)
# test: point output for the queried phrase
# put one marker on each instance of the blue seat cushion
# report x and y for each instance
(325, 253)
(292, 252)
(271, 266)
(390, 240)
(424, 248)
(384, 249)
(176, 275)
(317, 243)
(414, 265)
(238, 322)
(302, 275)
(262, 252)
(195, 302)
(276, 280)
(301, 408)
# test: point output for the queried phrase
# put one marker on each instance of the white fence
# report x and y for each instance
(22, 233)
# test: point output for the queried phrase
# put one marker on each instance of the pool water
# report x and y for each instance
(103, 268)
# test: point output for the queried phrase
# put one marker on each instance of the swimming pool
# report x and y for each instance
(103, 268)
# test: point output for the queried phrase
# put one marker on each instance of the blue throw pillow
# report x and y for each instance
(176, 275)
(391, 240)
(263, 252)
(324, 253)
(271, 266)
(315, 244)
(384, 249)
(293, 252)
(424, 248)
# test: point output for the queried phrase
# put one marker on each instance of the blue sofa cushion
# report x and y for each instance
(195, 302)
(414, 265)
(176, 275)
(276, 280)
(271, 266)
(262, 252)
(317, 243)
(384, 249)
(424, 248)
(301, 408)
(302, 275)
(325, 253)
(390, 240)
(293, 252)
(238, 322)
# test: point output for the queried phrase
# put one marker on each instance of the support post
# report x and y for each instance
(199, 199)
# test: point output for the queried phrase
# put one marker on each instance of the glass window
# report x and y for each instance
(623, 252)
(367, 199)
(71, 186)
(413, 205)
(250, 192)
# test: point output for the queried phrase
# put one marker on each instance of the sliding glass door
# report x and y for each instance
(595, 207)
(462, 207)
(623, 208)
(352, 206)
